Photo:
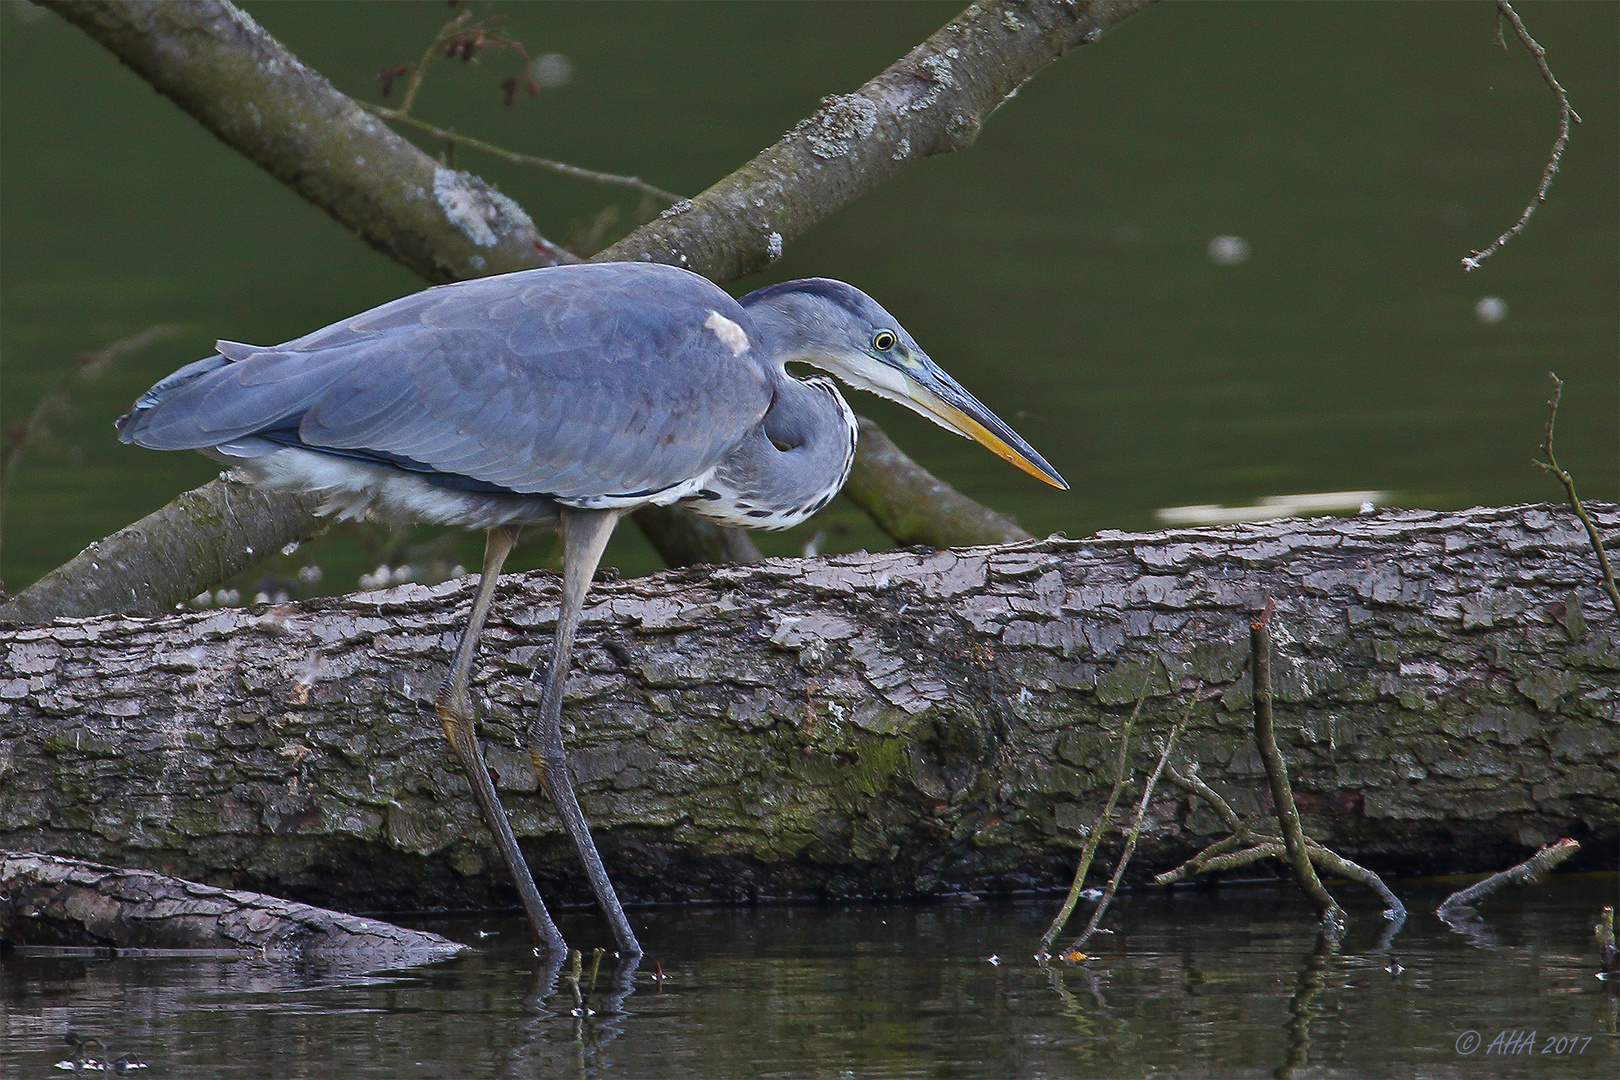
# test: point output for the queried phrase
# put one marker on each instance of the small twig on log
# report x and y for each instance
(1135, 832)
(420, 70)
(1193, 783)
(1551, 465)
(1202, 862)
(1529, 870)
(399, 116)
(1504, 10)
(1277, 773)
(1334, 863)
(1095, 836)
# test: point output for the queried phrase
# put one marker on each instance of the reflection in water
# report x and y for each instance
(1232, 982)
(1300, 1013)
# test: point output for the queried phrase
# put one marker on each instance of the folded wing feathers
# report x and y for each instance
(528, 382)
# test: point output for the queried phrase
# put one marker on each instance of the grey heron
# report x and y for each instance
(565, 397)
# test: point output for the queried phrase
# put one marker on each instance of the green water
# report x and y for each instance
(1059, 268)
(1231, 983)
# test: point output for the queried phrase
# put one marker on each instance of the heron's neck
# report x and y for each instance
(790, 465)
(797, 326)
(792, 325)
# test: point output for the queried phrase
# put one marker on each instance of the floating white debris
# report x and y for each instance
(1274, 506)
(1491, 309)
(1228, 250)
(551, 70)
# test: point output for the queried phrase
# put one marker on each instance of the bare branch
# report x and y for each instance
(1135, 831)
(1100, 826)
(1327, 909)
(562, 168)
(1504, 10)
(243, 85)
(931, 101)
(1531, 869)
(1551, 465)
(48, 900)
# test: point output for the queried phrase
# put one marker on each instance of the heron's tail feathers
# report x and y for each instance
(236, 394)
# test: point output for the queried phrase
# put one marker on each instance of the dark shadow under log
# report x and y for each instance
(896, 724)
(45, 900)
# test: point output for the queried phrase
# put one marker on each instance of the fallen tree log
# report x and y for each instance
(895, 724)
(46, 900)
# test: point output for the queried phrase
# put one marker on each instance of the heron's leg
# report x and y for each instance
(585, 533)
(455, 710)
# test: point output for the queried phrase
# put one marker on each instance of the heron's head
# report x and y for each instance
(841, 330)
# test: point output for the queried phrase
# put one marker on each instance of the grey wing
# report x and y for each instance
(576, 382)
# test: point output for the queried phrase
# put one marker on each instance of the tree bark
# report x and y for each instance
(45, 900)
(896, 724)
(210, 58)
(204, 536)
(931, 101)
(221, 67)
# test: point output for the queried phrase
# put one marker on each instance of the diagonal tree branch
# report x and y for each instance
(931, 101)
(220, 66)
(211, 59)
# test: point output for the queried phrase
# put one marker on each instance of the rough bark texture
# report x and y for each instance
(45, 900)
(892, 724)
(240, 83)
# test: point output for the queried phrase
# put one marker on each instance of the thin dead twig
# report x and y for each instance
(1223, 854)
(1551, 465)
(463, 38)
(399, 116)
(1282, 796)
(1566, 115)
(1083, 867)
(1135, 832)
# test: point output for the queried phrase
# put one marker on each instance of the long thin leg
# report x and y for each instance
(455, 710)
(585, 533)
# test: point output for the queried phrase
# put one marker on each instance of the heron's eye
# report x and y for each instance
(883, 340)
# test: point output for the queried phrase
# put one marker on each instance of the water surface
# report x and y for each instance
(1193, 983)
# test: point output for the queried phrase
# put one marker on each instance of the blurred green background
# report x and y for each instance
(1060, 269)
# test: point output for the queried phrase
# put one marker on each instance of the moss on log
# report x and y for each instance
(896, 724)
